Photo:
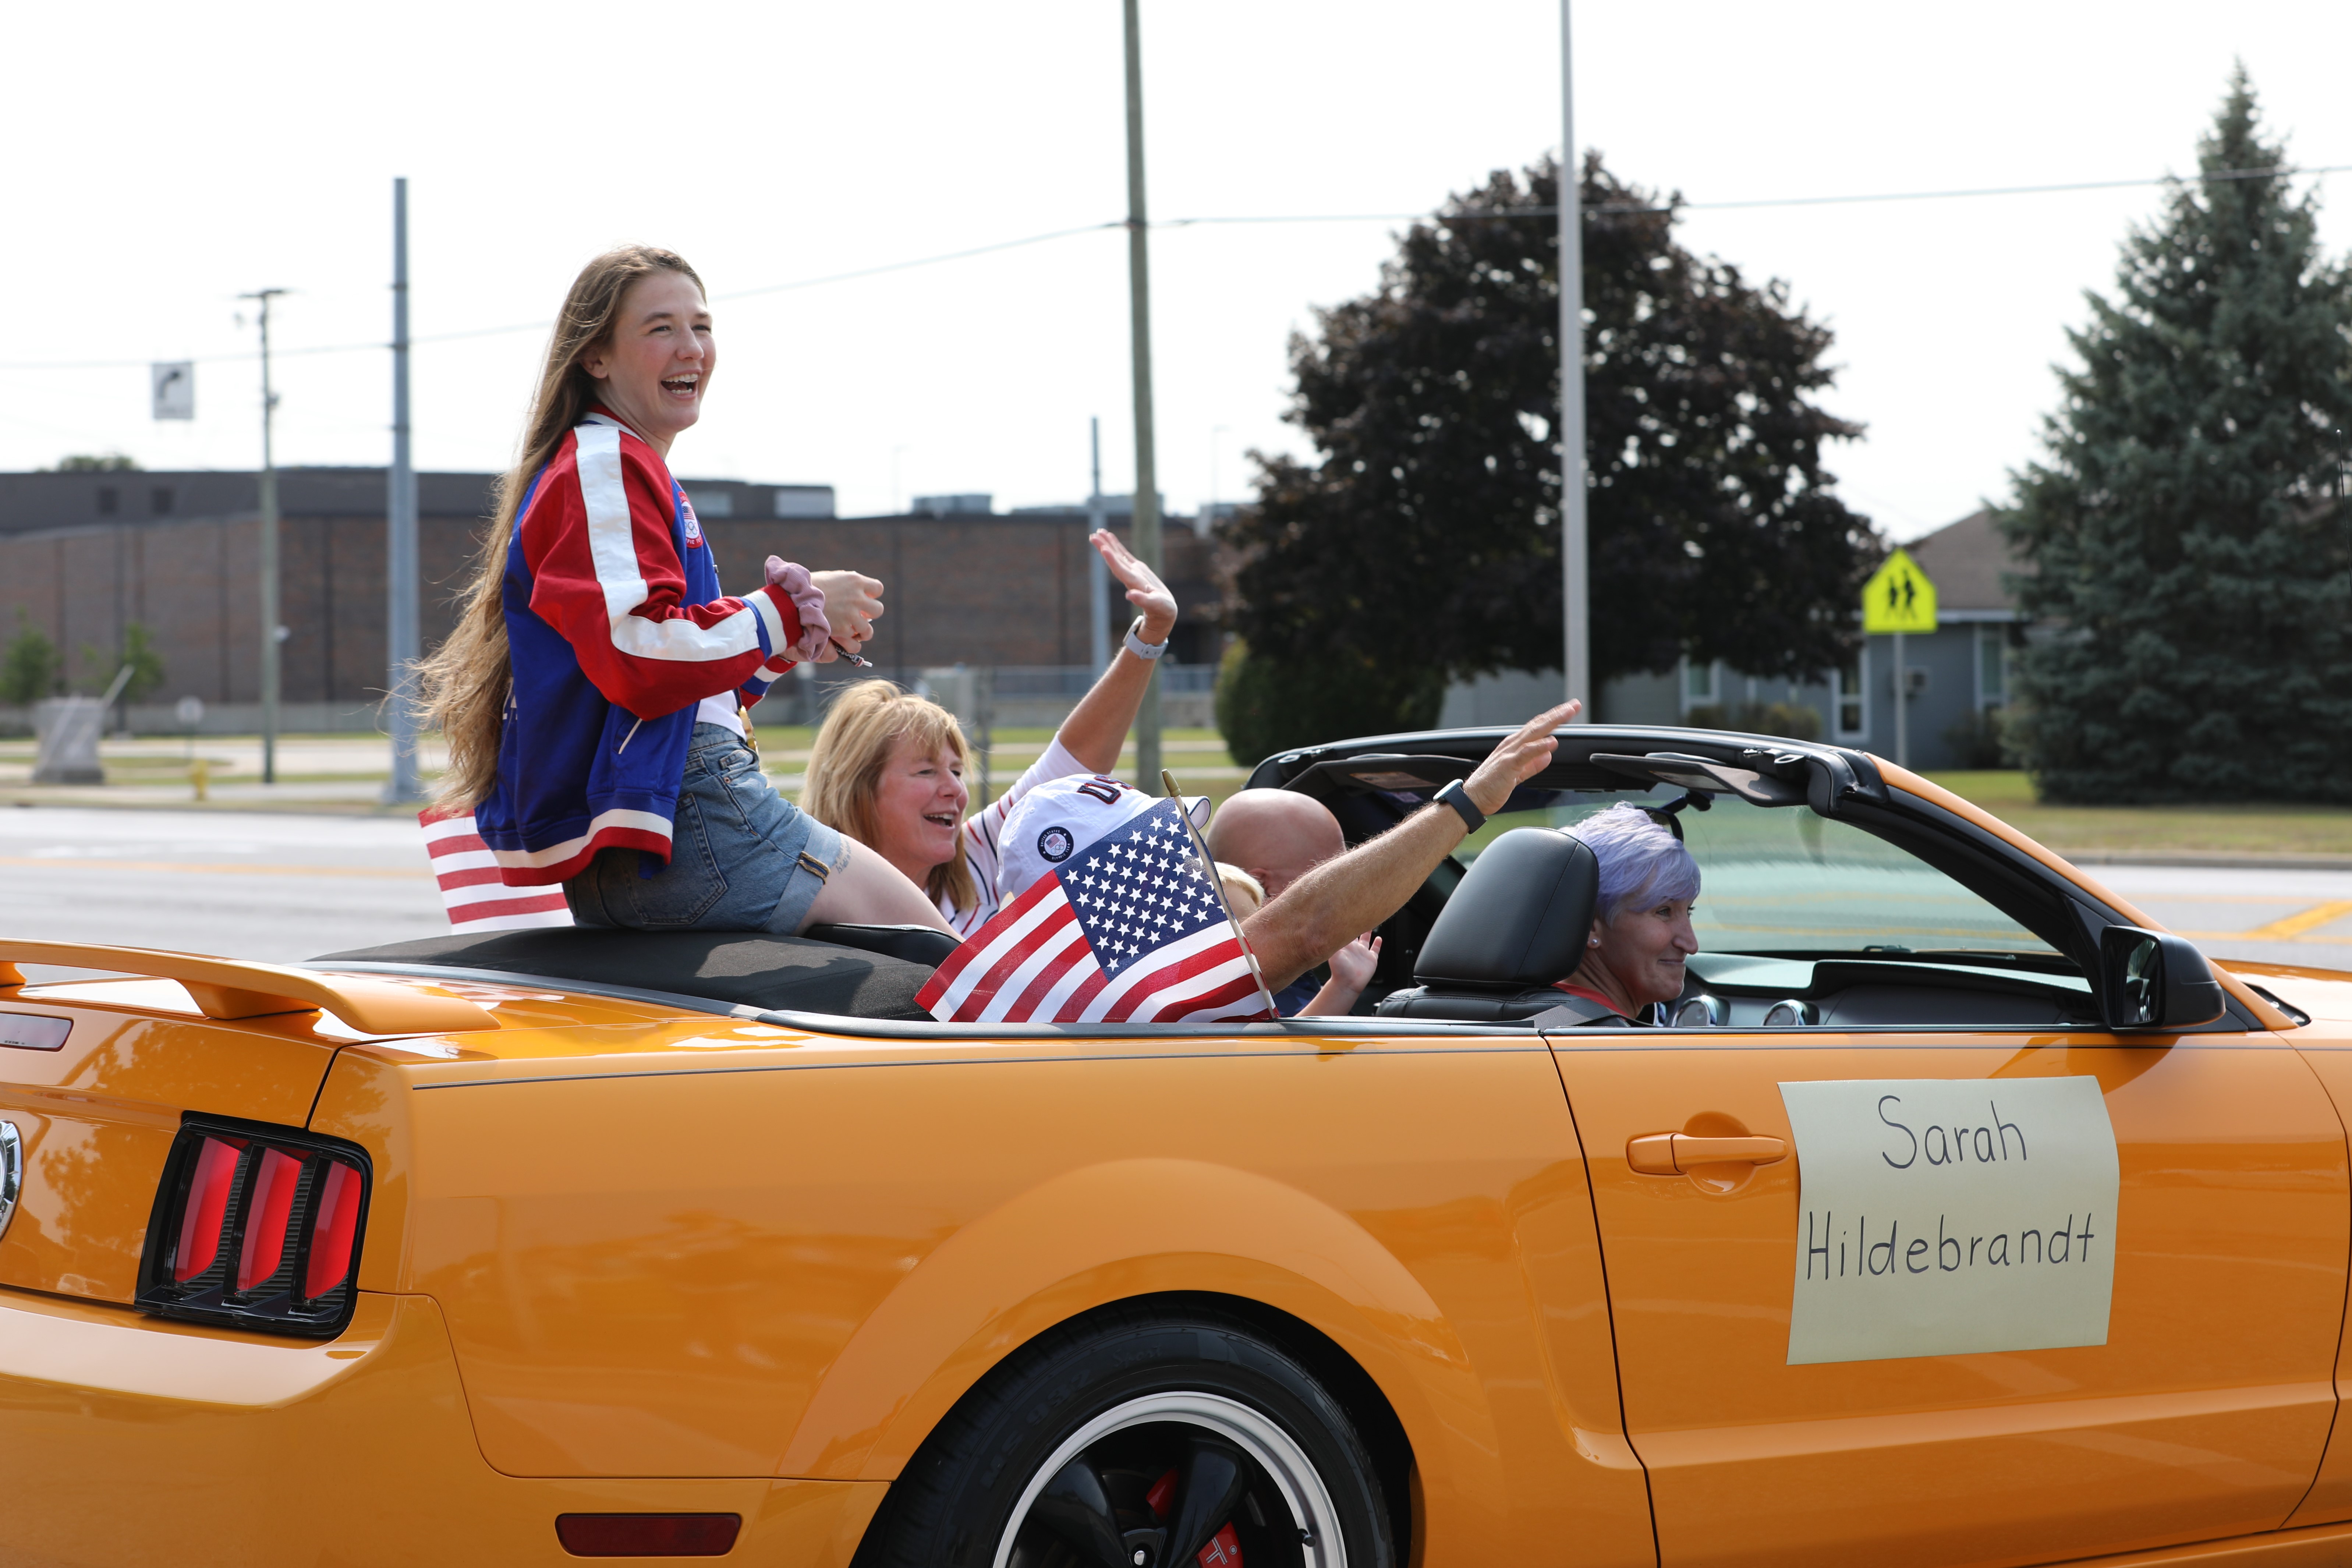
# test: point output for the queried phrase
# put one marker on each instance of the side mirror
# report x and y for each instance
(2152, 980)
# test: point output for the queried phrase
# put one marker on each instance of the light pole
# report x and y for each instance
(1575, 560)
(1097, 574)
(400, 637)
(1146, 475)
(270, 630)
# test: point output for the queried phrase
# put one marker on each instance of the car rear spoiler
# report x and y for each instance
(228, 988)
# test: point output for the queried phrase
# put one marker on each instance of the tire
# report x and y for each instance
(1143, 1421)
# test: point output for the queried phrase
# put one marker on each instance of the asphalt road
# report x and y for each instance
(277, 888)
(285, 886)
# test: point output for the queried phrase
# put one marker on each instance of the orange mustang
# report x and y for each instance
(1952, 1215)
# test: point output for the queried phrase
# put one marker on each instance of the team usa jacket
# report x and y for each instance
(617, 632)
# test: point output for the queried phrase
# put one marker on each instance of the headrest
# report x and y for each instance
(1519, 917)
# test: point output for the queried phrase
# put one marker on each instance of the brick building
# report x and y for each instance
(84, 555)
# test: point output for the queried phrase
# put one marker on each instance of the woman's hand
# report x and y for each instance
(852, 603)
(1145, 591)
(1518, 758)
(793, 582)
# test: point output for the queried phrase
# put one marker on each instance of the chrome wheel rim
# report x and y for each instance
(1277, 1455)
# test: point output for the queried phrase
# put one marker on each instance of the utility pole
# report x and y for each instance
(1575, 554)
(400, 630)
(271, 632)
(1097, 574)
(1147, 476)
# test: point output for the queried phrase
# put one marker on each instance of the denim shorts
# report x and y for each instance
(741, 857)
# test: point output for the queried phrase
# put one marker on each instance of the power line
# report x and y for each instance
(2218, 176)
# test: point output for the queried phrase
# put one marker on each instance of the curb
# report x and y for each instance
(2217, 859)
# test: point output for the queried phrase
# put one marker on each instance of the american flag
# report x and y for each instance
(1130, 929)
(473, 892)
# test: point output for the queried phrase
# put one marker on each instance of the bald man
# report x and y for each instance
(1276, 836)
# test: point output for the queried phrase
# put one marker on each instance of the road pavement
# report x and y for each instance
(284, 887)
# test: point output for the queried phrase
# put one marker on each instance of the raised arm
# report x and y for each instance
(1097, 726)
(1324, 910)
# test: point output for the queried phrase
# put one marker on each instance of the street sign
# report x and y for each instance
(174, 386)
(1898, 597)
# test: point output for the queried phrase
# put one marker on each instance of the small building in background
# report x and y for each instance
(1959, 674)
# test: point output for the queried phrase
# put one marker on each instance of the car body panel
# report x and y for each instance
(155, 1442)
(2203, 1414)
(99, 1114)
(808, 1302)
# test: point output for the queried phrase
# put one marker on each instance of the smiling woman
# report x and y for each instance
(594, 693)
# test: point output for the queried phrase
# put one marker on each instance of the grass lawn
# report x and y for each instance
(2220, 829)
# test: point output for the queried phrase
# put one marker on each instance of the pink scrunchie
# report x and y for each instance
(808, 603)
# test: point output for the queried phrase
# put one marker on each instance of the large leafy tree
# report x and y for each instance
(2187, 530)
(1423, 544)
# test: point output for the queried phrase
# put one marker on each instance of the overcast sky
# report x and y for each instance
(163, 159)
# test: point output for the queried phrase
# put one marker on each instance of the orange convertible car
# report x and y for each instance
(1953, 1215)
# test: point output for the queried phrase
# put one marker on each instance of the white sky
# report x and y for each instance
(163, 159)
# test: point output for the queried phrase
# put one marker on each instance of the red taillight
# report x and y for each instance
(209, 1185)
(334, 1223)
(266, 1213)
(296, 1205)
(647, 1534)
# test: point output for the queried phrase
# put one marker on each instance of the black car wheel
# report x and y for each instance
(1140, 1439)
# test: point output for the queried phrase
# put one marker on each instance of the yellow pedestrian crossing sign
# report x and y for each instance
(1898, 597)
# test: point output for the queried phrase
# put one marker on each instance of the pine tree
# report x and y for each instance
(2187, 530)
(1423, 543)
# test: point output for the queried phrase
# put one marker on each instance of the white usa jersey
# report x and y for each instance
(980, 857)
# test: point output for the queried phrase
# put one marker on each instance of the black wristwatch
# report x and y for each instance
(1455, 795)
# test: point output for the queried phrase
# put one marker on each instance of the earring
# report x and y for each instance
(1592, 941)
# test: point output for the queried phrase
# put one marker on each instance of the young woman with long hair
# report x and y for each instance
(593, 693)
(888, 768)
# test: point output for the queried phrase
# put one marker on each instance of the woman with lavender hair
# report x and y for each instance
(1641, 936)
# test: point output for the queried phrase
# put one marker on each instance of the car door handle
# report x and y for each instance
(1673, 1153)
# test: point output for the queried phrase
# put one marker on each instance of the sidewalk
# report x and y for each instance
(345, 774)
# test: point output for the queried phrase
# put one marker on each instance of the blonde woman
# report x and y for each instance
(888, 768)
(593, 691)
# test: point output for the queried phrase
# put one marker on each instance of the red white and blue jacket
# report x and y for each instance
(618, 631)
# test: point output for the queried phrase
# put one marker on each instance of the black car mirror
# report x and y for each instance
(2154, 979)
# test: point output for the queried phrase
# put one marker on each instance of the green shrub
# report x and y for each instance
(1980, 741)
(29, 669)
(1264, 707)
(1789, 718)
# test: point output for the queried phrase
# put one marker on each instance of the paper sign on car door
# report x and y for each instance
(1942, 1217)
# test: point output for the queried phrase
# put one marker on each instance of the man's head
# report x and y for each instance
(1275, 835)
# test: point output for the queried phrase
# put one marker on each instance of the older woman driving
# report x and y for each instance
(1641, 920)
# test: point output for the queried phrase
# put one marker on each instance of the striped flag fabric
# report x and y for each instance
(472, 889)
(1130, 929)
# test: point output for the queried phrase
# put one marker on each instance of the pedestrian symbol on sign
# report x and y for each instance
(1898, 597)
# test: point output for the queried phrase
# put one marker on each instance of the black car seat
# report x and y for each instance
(1517, 923)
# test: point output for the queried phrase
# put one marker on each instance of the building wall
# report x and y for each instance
(979, 589)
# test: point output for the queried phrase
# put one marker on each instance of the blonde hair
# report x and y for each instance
(1245, 894)
(465, 683)
(845, 771)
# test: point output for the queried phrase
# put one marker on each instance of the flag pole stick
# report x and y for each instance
(1209, 869)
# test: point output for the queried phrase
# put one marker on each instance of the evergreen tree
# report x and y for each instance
(2186, 528)
(1424, 543)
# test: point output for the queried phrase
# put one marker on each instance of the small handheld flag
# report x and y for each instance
(1129, 928)
(472, 889)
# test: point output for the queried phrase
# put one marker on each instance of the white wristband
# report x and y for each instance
(1138, 646)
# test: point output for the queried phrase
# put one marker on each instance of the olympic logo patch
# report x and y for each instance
(1056, 844)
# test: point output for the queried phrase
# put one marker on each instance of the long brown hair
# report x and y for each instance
(467, 680)
(845, 771)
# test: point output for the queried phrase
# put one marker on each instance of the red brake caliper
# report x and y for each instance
(1224, 1548)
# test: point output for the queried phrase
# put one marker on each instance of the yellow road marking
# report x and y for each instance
(57, 862)
(2296, 925)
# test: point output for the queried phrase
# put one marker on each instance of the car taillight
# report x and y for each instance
(258, 1226)
(649, 1534)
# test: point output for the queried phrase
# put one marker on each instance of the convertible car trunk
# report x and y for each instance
(95, 1077)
